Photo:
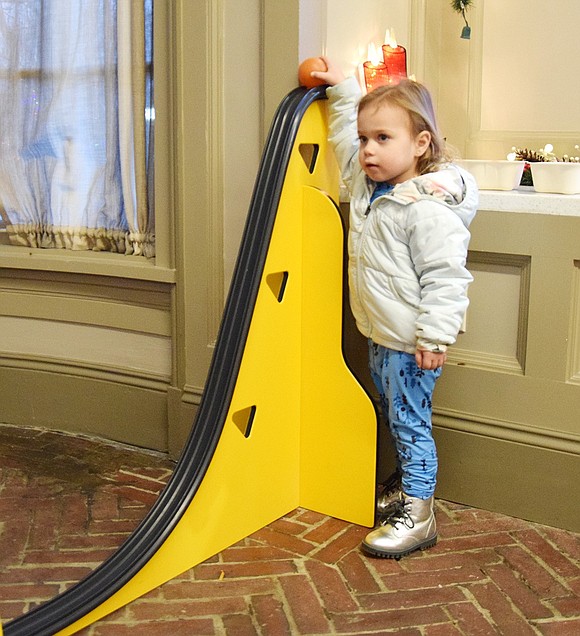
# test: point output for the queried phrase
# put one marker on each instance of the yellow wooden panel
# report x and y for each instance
(300, 430)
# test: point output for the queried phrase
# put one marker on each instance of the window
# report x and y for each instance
(76, 122)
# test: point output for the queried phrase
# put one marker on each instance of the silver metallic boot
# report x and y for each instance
(389, 492)
(408, 526)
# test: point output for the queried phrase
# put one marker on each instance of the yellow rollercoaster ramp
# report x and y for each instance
(283, 423)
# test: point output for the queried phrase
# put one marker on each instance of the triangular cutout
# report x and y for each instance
(309, 154)
(244, 419)
(277, 283)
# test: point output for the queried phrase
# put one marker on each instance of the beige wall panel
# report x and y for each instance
(529, 54)
(518, 480)
(242, 121)
(544, 412)
(499, 298)
(86, 346)
(574, 351)
(86, 310)
(510, 83)
(497, 426)
(66, 402)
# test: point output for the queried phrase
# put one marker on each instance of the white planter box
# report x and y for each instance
(560, 177)
(494, 175)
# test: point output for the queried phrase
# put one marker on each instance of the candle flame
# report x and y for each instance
(375, 54)
(390, 38)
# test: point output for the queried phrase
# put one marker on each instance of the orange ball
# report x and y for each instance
(306, 67)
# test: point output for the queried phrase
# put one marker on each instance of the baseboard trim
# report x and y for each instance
(507, 431)
(510, 476)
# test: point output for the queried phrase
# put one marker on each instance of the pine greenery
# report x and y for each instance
(461, 5)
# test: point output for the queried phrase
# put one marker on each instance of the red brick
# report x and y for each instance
(244, 569)
(151, 473)
(574, 585)
(425, 580)
(309, 517)
(88, 557)
(160, 609)
(533, 572)
(13, 545)
(283, 541)
(357, 573)
(392, 620)
(199, 627)
(568, 606)
(519, 593)
(137, 479)
(104, 506)
(239, 624)
(489, 574)
(270, 615)
(287, 526)
(444, 629)
(431, 562)
(78, 542)
(11, 609)
(43, 533)
(501, 611)
(76, 506)
(135, 494)
(43, 574)
(545, 551)
(567, 542)
(216, 589)
(133, 510)
(384, 567)
(32, 591)
(475, 542)
(348, 540)
(112, 526)
(476, 521)
(411, 598)
(326, 530)
(331, 587)
(304, 605)
(560, 627)
(254, 553)
(470, 620)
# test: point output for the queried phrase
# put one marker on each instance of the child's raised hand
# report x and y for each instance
(333, 75)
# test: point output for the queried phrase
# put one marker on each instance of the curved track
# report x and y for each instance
(64, 609)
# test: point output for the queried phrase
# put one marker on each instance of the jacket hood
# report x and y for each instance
(451, 185)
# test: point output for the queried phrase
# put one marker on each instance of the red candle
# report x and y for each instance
(396, 62)
(375, 75)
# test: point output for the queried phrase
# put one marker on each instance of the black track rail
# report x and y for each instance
(112, 574)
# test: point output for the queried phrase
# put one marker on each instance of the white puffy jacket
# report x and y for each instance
(407, 250)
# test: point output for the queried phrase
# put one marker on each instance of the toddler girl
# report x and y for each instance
(410, 209)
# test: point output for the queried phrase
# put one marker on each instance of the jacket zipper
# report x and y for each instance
(358, 262)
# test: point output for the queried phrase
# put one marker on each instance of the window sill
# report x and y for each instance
(95, 263)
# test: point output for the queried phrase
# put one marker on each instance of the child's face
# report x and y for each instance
(388, 150)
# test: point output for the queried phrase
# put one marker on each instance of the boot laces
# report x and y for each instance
(391, 483)
(398, 513)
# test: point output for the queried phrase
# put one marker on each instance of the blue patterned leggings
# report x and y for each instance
(406, 399)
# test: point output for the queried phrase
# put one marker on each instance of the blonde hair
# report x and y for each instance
(416, 100)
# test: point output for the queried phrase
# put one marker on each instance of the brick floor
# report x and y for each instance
(303, 574)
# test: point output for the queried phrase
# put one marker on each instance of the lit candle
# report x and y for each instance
(375, 70)
(395, 58)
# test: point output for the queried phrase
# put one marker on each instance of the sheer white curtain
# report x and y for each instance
(72, 132)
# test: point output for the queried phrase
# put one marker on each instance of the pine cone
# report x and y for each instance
(528, 155)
